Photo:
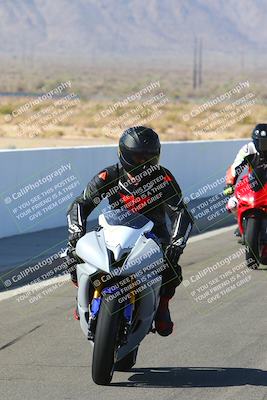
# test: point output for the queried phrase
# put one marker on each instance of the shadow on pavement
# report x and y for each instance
(194, 377)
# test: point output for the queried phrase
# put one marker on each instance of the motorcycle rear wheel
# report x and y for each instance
(252, 229)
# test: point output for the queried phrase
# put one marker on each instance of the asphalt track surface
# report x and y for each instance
(217, 351)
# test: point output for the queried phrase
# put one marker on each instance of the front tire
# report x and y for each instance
(105, 344)
(252, 230)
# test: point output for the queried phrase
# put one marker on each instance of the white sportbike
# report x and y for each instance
(119, 281)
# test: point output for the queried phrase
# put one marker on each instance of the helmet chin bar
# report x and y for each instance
(137, 170)
(263, 154)
(263, 145)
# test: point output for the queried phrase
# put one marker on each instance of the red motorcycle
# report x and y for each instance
(252, 219)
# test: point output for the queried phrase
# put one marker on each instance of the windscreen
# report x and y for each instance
(125, 217)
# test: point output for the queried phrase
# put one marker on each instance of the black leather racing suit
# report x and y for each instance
(155, 193)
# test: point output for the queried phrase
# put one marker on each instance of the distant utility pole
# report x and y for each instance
(200, 63)
(197, 63)
(242, 61)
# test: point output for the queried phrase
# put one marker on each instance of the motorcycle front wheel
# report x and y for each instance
(252, 229)
(106, 341)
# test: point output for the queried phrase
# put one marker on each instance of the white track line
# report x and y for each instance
(38, 286)
(33, 288)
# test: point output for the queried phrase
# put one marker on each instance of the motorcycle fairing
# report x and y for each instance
(92, 249)
(83, 275)
(145, 253)
(249, 200)
(121, 239)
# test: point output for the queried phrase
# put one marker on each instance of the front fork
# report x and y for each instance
(94, 309)
(127, 318)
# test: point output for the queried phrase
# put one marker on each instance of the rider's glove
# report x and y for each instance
(75, 233)
(72, 261)
(173, 253)
(73, 239)
(71, 250)
(229, 190)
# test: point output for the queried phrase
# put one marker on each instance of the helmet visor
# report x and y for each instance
(262, 144)
(144, 158)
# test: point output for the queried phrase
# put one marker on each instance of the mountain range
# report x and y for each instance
(127, 28)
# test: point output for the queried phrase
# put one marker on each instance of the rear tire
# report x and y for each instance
(105, 344)
(252, 230)
(126, 363)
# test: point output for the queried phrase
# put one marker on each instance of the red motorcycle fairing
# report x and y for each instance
(249, 201)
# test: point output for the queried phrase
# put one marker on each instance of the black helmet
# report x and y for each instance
(259, 137)
(139, 147)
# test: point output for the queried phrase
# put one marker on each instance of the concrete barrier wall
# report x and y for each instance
(37, 185)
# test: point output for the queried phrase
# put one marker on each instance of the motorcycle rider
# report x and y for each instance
(252, 155)
(140, 184)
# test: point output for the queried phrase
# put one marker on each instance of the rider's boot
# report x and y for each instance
(163, 322)
(238, 235)
(73, 277)
(237, 232)
(172, 278)
(76, 314)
